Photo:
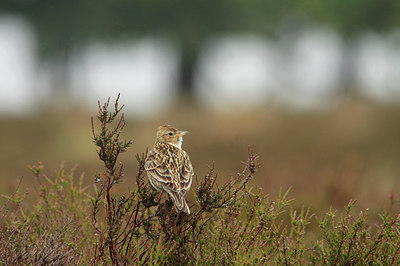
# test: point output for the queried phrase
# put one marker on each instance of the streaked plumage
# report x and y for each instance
(168, 166)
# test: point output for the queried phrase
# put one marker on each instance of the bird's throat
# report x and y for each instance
(178, 144)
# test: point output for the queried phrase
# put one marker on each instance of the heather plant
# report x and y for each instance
(347, 239)
(231, 222)
(140, 219)
(52, 232)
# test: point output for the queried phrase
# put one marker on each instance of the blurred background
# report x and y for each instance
(312, 86)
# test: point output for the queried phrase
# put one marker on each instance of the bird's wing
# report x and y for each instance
(157, 168)
(186, 174)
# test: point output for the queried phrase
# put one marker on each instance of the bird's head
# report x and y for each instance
(170, 135)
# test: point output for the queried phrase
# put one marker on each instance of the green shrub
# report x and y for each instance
(348, 239)
(55, 231)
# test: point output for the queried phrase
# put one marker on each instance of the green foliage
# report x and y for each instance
(76, 22)
(229, 224)
(56, 231)
(349, 240)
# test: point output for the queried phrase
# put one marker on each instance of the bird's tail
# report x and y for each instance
(179, 201)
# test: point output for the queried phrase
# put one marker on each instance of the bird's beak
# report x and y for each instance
(182, 133)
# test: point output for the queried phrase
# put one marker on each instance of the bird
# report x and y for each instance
(169, 167)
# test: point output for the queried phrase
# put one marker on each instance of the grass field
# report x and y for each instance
(326, 158)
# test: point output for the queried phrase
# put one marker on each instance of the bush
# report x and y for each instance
(56, 231)
(230, 223)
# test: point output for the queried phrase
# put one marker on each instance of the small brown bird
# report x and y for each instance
(168, 166)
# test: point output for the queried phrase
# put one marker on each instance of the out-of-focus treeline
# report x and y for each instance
(64, 28)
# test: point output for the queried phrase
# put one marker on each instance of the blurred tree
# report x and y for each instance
(63, 26)
(58, 25)
(352, 18)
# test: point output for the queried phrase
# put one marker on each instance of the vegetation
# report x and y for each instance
(231, 223)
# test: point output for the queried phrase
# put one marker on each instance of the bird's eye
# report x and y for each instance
(170, 133)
